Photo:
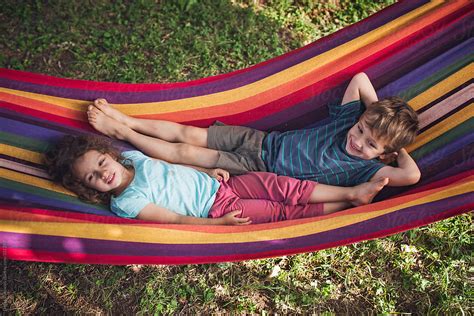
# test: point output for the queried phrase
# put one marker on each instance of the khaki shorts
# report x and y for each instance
(240, 148)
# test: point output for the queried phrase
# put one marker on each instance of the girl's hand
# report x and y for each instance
(232, 219)
(219, 174)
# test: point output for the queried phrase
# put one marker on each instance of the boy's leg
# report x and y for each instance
(151, 146)
(165, 130)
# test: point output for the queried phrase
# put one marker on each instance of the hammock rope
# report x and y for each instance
(419, 50)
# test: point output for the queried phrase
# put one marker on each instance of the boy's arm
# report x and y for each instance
(406, 173)
(360, 88)
(153, 212)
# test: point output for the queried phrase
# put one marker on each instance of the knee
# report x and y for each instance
(180, 153)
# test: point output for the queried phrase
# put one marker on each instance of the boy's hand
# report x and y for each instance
(389, 158)
(219, 174)
(232, 219)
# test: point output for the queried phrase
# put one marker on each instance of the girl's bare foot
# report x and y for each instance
(120, 117)
(364, 193)
(105, 124)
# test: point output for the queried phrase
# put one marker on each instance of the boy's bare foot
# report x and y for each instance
(105, 107)
(365, 192)
(105, 124)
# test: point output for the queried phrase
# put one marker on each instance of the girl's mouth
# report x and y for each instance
(111, 179)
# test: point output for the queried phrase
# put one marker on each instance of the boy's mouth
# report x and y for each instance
(351, 145)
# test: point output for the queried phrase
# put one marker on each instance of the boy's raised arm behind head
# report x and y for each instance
(360, 88)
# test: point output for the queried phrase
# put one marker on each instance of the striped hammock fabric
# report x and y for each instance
(419, 50)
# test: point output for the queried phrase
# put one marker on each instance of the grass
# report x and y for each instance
(422, 271)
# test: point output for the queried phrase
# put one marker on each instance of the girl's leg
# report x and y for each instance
(269, 186)
(151, 146)
(259, 210)
(333, 207)
(358, 195)
(264, 211)
(165, 130)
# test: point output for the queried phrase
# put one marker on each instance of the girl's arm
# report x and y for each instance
(406, 173)
(153, 212)
(360, 88)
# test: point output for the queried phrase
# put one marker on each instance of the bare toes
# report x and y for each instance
(100, 103)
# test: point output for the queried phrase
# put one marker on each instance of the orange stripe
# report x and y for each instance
(43, 106)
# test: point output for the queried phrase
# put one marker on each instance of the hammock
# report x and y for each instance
(419, 50)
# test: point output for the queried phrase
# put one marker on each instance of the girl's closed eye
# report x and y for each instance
(360, 129)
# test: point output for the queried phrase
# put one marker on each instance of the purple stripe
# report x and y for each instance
(28, 119)
(28, 130)
(396, 69)
(52, 132)
(237, 80)
(393, 220)
(449, 160)
(429, 69)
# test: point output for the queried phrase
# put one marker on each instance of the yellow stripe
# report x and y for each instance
(33, 181)
(22, 154)
(133, 233)
(267, 83)
(442, 127)
(442, 87)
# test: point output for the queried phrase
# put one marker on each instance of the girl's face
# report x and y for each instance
(102, 172)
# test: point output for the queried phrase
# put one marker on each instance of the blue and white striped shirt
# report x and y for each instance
(319, 153)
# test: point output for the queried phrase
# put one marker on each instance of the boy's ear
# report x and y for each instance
(388, 157)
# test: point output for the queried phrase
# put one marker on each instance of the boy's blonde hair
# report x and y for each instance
(392, 120)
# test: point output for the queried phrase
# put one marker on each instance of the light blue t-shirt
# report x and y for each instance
(177, 188)
(319, 153)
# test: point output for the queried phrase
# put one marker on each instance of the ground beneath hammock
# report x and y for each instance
(421, 271)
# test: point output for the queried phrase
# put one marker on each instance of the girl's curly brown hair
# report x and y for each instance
(60, 159)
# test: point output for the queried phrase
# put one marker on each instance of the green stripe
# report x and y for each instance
(444, 139)
(23, 142)
(21, 187)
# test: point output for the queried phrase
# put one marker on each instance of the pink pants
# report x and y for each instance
(265, 197)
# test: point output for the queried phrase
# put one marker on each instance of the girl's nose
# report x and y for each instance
(104, 175)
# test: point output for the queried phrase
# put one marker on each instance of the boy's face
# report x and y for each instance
(100, 172)
(362, 143)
